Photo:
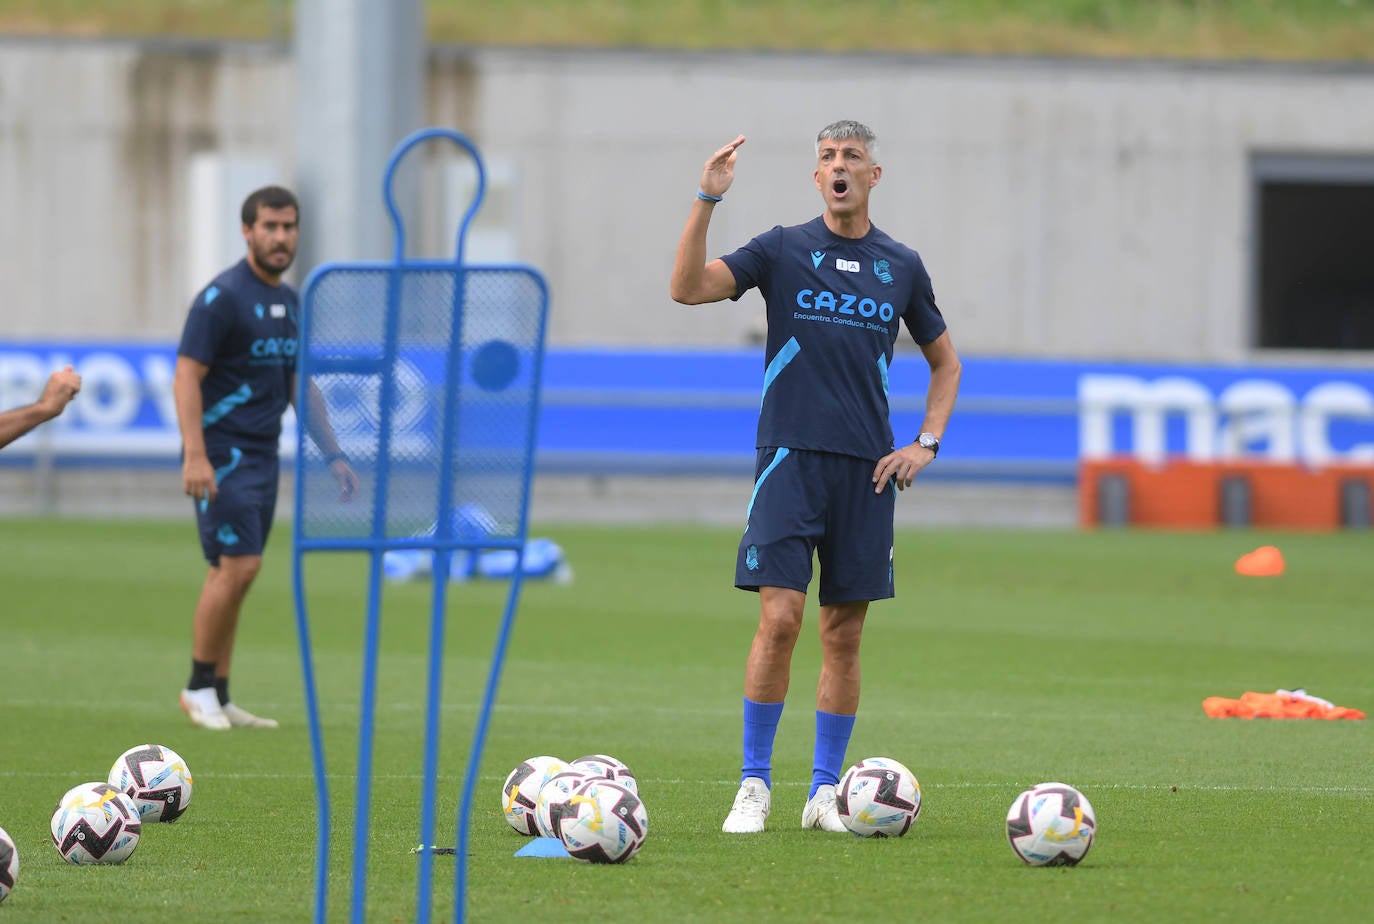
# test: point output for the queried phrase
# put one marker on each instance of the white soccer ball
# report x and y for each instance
(520, 794)
(603, 822)
(1051, 824)
(95, 823)
(9, 864)
(878, 797)
(156, 778)
(608, 768)
(553, 798)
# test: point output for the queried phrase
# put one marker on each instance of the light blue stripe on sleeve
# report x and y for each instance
(782, 454)
(882, 371)
(226, 404)
(789, 351)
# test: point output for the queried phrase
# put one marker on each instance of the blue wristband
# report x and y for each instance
(705, 198)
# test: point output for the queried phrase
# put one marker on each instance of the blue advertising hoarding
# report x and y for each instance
(694, 411)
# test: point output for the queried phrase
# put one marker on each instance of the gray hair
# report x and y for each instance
(848, 128)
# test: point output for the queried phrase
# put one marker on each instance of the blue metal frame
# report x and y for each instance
(442, 543)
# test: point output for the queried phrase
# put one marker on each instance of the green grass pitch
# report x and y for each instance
(1007, 659)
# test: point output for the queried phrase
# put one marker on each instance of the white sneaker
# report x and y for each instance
(242, 718)
(820, 811)
(204, 709)
(750, 810)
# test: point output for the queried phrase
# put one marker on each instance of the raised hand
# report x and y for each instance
(719, 172)
(61, 389)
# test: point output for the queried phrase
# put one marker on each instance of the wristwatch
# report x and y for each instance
(929, 441)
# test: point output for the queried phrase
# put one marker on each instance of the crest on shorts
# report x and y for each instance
(751, 558)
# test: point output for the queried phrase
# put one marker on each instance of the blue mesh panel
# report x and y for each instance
(478, 400)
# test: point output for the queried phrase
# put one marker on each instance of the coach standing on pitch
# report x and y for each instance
(837, 290)
(235, 376)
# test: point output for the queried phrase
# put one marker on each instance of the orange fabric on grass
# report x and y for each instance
(1253, 705)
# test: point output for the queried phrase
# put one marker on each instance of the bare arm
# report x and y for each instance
(197, 474)
(695, 281)
(945, 372)
(317, 419)
(322, 433)
(903, 463)
(61, 388)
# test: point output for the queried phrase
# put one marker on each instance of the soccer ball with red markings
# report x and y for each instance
(156, 778)
(878, 797)
(95, 823)
(9, 864)
(520, 794)
(1051, 824)
(603, 822)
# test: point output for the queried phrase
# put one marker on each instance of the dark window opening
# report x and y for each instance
(1315, 274)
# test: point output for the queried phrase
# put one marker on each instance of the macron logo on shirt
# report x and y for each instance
(816, 257)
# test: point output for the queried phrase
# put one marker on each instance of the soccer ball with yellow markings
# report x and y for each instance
(602, 822)
(156, 779)
(95, 823)
(878, 797)
(9, 864)
(1051, 824)
(520, 794)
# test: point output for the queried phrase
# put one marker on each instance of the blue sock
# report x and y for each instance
(832, 738)
(760, 727)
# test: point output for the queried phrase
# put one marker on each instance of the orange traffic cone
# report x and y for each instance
(1265, 561)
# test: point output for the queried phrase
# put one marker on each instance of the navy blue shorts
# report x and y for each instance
(824, 504)
(240, 517)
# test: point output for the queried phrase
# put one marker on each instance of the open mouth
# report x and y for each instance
(839, 186)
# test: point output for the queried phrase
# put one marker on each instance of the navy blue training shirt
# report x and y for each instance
(245, 331)
(835, 308)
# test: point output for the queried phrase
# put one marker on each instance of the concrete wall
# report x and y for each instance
(1067, 208)
(95, 148)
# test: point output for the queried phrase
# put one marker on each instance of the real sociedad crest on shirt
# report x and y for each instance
(881, 270)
